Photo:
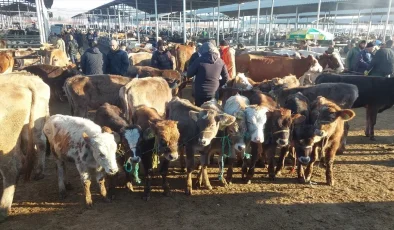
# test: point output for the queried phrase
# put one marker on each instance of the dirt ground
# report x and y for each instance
(363, 197)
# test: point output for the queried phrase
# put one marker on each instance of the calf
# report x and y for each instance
(197, 128)
(81, 140)
(159, 137)
(328, 121)
(375, 93)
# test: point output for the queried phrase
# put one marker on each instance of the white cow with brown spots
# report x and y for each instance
(83, 141)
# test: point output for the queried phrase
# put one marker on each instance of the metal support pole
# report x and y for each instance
(190, 19)
(137, 21)
(335, 18)
(40, 21)
(223, 28)
(271, 19)
(157, 22)
(239, 14)
(318, 15)
(297, 18)
(184, 21)
(108, 19)
(387, 21)
(257, 24)
(20, 18)
(358, 20)
(172, 23)
(218, 25)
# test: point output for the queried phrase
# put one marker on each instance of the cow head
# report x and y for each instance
(303, 141)
(236, 132)
(132, 136)
(332, 61)
(315, 67)
(103, 147)
(167, 137)
(256, 117)
(241, 82)
(281, 124)
(326, 115)
(208, 122)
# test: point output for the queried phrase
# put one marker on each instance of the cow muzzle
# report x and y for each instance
(304, 160)
(172, 156)
(204, 142)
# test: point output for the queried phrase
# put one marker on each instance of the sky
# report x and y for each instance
(69, 8)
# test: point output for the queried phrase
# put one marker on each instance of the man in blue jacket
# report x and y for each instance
(117, 60)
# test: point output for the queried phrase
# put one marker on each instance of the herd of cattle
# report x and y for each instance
(286, 105)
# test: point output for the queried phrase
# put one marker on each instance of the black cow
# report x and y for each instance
(375, 93)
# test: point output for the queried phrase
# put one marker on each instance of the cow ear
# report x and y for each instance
(148, 134)
(86, 137)
(193, 115)
(298, 118)
(346, 114)
(106, 129)
(225, 120)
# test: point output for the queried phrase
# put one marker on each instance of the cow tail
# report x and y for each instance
(67, 90)
(31, 152)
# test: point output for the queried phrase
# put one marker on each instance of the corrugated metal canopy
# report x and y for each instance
(12, 9)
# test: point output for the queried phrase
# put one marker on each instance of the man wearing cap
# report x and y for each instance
(208, 69)
(350, 62)
(382, 63)
(161, 58)
(117, 60)
(227, 54)
(363, 59)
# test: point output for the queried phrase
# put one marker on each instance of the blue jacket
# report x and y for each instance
(117, 62)
(362, 61)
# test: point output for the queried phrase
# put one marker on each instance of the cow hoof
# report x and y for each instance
(107, 200)
(248, 182)
(39, 176)
(372, 138)
(278, 173)
(89, 205)
(366, 134)
(209, 187)
(224, 182)
(330, 183)
(146, 198)
(188, 192)
(129, 186)
(69, 186)
(301, 180)
(272, 177)
(167, 193)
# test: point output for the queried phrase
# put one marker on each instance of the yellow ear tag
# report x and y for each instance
(155, 155)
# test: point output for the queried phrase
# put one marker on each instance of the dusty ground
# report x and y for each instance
(363, 197)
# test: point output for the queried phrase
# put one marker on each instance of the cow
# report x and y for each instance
(55, 57)
(375, 93)
(25, 57)
(54, 76)
(240, 82)
(140, 59)
(323, 135)
(160, 136)
(90, 92)
(6, 63)
(17, 105)
(182, 55)
(266, 68)
(83, 141)
(290, 81)
(197, 128)
(41, 113)
(147, 71)
(150, 91)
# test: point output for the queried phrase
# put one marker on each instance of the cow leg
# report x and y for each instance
(373, 116)
(100, 178)
(284, 151)
(221, 169)
(147, 162)
(164, 172)
(255, 156)
(230, 170)
(329, 158)
(182, 160)
(111, 185)
(309, 171)
(367, 121)
(342, 147)
(189, 166)
(300, 173)
(41, 151)
(10, 176)
(269, 151)
(61, 174)
(204, 159)
(86, 182)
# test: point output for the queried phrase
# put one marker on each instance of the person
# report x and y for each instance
(383, 62)
(227, 54)
(93, 61)
(208, 68)
(363, 59)
(79, 39)
(90, 38)
(195, 55)
(52, 39)
(303, 45)
(117, 60)
(352, 54)
(331, 48)
(161, 58)
(241, 49)
(72, 49)
(60, 44)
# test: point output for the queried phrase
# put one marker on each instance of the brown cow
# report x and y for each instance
(183, 54)
(54, 76)
(140, 59)
(266, 68)
(6, 63)
(55, 57)
(159, 137)
(90, 92)
(16, 106)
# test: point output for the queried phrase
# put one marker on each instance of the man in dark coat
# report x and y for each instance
(352, 54)
(208, 68)
(72, 49)
(363, 59)
(93, 61)
(382, 63)
(117, 60)
(195, 55)
(161, 58)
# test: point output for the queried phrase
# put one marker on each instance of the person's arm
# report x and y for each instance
(83, 63)
(192, 69)
(374, 60)
(125, 64)
(348, 59)
(224, 75)
(108, 64)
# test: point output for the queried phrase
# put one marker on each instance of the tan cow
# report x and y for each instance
(90, 92)
(183, 54)
(151, 91)
(140, 59)
(41, 114)
(55, 57)
(16, 107)
(6, 63)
